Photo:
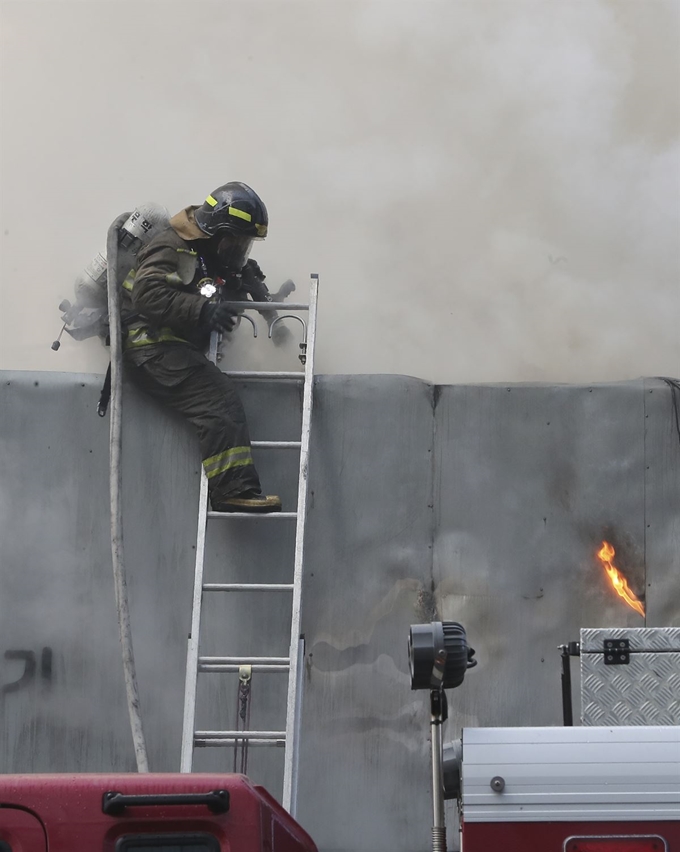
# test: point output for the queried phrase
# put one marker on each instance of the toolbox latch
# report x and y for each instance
(616, 652)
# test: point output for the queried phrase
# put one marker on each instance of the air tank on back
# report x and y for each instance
(141, 226)
(88, 316)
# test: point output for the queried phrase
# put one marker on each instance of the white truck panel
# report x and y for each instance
(554, 774)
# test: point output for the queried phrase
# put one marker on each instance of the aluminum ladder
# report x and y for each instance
(295, 660)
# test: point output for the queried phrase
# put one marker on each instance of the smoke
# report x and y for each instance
(490, 191)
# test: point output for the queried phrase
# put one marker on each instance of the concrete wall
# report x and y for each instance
(478, 503)
(364, 782)
(529, 481)
(57, 587)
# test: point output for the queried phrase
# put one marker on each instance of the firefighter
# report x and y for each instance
(172, 301)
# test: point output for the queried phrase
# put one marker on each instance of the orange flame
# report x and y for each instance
(606, 554)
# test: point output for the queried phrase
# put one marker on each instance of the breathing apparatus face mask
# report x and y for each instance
(233, 251)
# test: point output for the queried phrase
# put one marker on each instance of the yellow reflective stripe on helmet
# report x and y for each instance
(142, 337)
(129, 281)
(240, 214)
(235, 457)
(211, 201)
(261, 230)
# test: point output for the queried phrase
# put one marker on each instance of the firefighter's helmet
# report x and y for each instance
(233, 207)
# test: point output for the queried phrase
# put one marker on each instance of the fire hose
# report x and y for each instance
(115, 485)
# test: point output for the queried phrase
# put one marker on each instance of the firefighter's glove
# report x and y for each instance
(252, 270)
(218, 317)
(281, 335)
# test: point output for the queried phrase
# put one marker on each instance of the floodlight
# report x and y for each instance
(451, 764)
(438, 655)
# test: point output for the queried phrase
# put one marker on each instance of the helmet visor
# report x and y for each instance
(233, 251)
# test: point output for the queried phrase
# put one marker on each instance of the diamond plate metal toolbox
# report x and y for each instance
(630, 676)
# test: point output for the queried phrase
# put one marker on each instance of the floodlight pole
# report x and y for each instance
(437, 718)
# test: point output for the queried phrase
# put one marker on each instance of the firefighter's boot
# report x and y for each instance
(249, 501)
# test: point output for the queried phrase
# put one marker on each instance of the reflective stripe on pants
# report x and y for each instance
(236, 457)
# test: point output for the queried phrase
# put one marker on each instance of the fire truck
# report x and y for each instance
(611, 785)
(580, 789)
(141, 813)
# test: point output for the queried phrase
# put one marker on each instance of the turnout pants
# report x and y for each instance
(184, 380)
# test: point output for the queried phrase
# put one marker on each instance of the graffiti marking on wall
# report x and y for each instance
(30, 668)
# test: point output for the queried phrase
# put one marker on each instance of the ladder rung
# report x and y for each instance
(235, 741)
(253, 515)
(241, 735)
(245, 661)
(233, 664)
(267, 306)
(247, 587)
(266, 374)
(263, 668)
(276, 445)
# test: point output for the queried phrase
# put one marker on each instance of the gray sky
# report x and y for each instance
(490, 191)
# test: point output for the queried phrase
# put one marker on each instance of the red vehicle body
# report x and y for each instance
(572, 837)
(142, 813)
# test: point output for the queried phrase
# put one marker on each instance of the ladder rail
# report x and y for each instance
(296, 726)
(191, 677)
(291, 755)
